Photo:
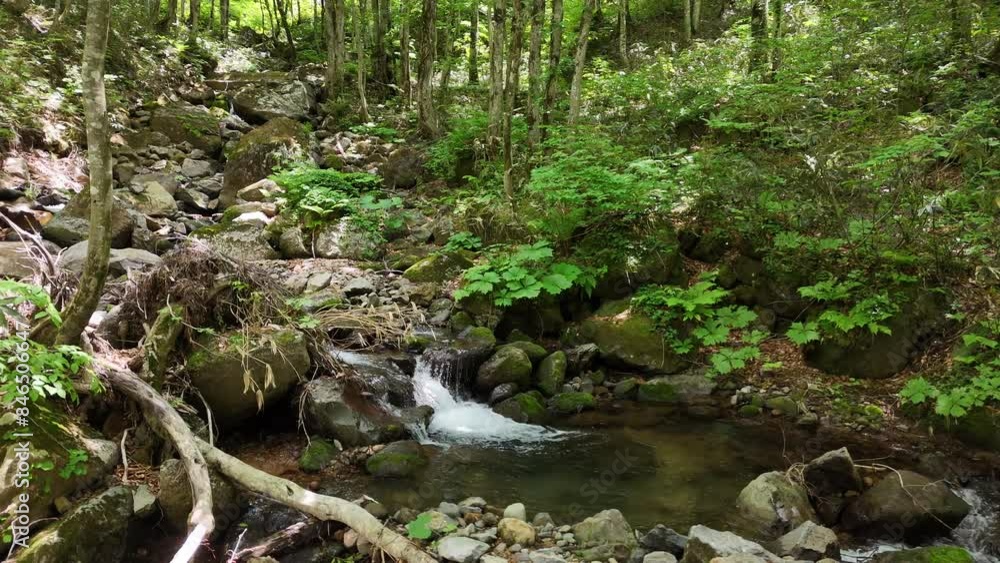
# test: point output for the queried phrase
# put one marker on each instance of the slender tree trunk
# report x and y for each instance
(623, 31)
(580, 61)
(171, 14)
(961, 25)
(211, 14)
(195, 18)
(333, 14)
(555, 56)
(534, 112)
(224, 18)
(510, 95)
(498, 28)
(449, 52)
(777, 12)
(380, 73)
(474, 44)
(95, 107)
(758, 34)
(283, 15)
(153, 12)
(405, 77)
(687, 21)
(182, 13)
(695, 17)
(359, 50)
(425, 71)
(270, 19)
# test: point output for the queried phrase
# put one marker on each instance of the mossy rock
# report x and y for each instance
(939, 554)
(186, 123)
(534, 351)
(241, 241)
(785, 406)
(652, 256)
(438, 268)
(279, 142)
(476, 338)
(980, 428)
(506, 365)
(93, 531)
(627, 339)
(658, 391)
(317, 455)
(551, 373)
(749, 411)
(72, 224)
(572, 402)
(398, 459)
(626, 388)
(524, 407)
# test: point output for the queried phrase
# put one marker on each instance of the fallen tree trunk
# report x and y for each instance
(321, 506)
(282, 541)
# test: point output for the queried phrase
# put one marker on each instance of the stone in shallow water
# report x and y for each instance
(516, 510)
(774, 505)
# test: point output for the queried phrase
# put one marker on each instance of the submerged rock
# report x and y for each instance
(906, 503)
(772, 504)
(572, 402)
(93, 531)
(275, 359)
(398, 459)
(705, 544)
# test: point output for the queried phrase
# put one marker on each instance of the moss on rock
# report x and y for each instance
(317, 455)
(939, 554)
(279, 142)
(551, 373)
(437, 268)
(572, 402)
(398, 459)
(524, 407)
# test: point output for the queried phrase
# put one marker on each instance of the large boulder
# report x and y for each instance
(831, 478)
(275, 359)
(398, 459)
(185, 123)
(258, 102)
(507, 365)
(239, 241)
(627, 338)
(908, 504)
(336, 410)
(937, 554)
(516, 531)
(809, 542)
(608, 531)
(705, 544)
(72, 224)
(279, 142)
(402, 168)
(651, 256)
(524, 407)
(121, 261)
(662, 538)
(93, 531)
(175, 496)
(344, 239)
(683, 388)
(437, 268)
(151, 198)
(866, 356)
(772, 505)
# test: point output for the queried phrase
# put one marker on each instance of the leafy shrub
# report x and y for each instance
(845, 312)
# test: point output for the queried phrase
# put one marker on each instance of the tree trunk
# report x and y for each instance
(404, 55)
(153, 12)
(777, 12)
(498, 27)
(555, 56)
(283, 16)
(359, 51)
(474, 45)
(687, 21)
(224, 18)
(758, 34)
(333, 14)
(380, 72)
(623, 31)
(535, 72)
(425, 71)
(171, 15)
(695, 17)
(449, 52)
(961, 25)
(95, 269)
(580, 61)
(195, 18)
(510, 95)
(211, 14)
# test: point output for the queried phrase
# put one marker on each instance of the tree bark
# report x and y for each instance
(195, 18)
(359, 51)
(283, 17)
(555, 56)
(623, 31)
(777, 12)
(153, 12)
(580, 61)
(510, 95)
(333, 14)
(283, 541)
(425, 72)
(961, 25)
(405, 77)
(474, 44)
(171, 15)
(380, 71)
(224, 19)
(758, 34)
(535, 72)
(498, 27)
(687, 21)
(695, 17)
(95, 107)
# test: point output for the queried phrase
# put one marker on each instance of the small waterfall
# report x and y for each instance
(437, 383)
(978, 533)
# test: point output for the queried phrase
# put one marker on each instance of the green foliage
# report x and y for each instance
(76, 464)
(464, 135)
(462, 241)
(15, 294)
(522, 272)
(384, 133)
(419, 528)
(695, 317)
(845, 311)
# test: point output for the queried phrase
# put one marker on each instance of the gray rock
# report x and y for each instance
(548, 555)
(175, 495)
(773, 505)
(606, 529)
(263, 102)
(403, 168)
(239, 241)
(328, 413)
(542, 519)
(705, 544)
(72, 224)
(143, 501)
(450, 509)
(280, 142)
(461, 550)
(502, 392)
(506, 365)
(358, 286)
(121, 261)
(832, 474)
(662, 538)
(261, 190)
(182, 122)
(659, 557)
(343, 240)
(516, 510)
(197, 168)
(195, 200)
(809, 542)
(15, 262)
(154, 200)
(291, 243)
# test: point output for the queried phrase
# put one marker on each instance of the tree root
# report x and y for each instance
(194, 453)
